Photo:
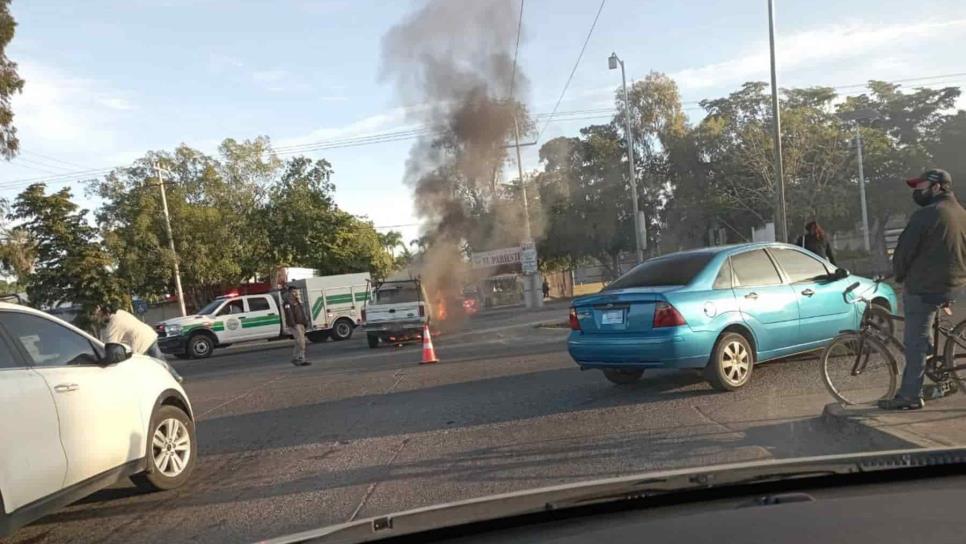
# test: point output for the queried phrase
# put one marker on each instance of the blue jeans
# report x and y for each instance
(920, 310)
(155, 351)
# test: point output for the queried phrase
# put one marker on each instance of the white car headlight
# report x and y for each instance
(172, 330)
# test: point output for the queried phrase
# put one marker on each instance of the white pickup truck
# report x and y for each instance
(396, 311)
(333, 305)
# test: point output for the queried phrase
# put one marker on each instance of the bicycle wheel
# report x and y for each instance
(859, 369)
(954, 354)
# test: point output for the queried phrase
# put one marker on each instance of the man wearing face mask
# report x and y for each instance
(930, 262)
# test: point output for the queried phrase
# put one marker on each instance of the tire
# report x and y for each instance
(373, 340)
(954, 354)
(317, 337)
(881, 319)
(200, 346)
(877, 377)
(172, 451)
(731, 364)
(342, 330)
(621, 376)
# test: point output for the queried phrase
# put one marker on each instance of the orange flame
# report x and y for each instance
(440, 309)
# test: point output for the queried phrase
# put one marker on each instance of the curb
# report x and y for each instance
(861, 421)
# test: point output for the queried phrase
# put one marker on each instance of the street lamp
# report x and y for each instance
(854, 117)
(612, 63)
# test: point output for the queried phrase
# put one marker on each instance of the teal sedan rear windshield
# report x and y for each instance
(677, 269)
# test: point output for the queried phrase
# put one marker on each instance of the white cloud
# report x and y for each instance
(118, 103)
(844, 53)
(221, 62)
(59, 110)
(276, 80)
(810, 48)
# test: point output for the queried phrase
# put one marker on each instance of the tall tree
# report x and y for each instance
(899, 145)
(10, 84)
(72, 266)
(211, 222)
(948, 149)
(17, 248)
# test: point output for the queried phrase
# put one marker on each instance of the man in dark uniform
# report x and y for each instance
(930, 263)
(296, 322)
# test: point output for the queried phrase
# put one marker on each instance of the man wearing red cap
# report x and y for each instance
(930, 262)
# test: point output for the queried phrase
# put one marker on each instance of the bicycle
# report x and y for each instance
(859, 368)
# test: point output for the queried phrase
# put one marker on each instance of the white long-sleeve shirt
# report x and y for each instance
(124, 328)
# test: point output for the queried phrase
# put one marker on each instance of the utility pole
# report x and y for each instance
(613, 61)
(865, 211)
(167, 226)
(523, 187)
(781, 225)
(531, 286)
(854, 118)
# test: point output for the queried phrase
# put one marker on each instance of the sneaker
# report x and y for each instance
(296, 362)
(899, 403)
(304, 363)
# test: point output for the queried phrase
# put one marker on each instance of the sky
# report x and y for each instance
(108, 80)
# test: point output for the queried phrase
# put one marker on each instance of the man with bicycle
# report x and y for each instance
(930, 262)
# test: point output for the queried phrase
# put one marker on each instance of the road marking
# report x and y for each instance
(240, 396)
(373, 485)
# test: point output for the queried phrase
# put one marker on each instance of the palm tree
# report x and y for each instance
(391, 240)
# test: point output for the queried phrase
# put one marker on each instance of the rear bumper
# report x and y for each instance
(173, 344)
(677, 347)
(394, 327)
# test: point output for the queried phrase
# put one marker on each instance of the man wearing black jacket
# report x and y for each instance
(930, 262)
(296, 321)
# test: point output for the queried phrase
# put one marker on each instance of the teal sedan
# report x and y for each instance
(721, 309)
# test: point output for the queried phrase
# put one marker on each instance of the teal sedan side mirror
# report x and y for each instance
(840, 274)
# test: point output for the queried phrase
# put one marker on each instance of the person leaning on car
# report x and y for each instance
(123, 328)
(930, 263)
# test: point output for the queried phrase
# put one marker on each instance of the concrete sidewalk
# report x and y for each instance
(940, 423)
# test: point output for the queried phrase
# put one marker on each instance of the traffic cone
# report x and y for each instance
(429, 353)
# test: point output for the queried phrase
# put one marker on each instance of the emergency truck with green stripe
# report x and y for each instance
(333, 305)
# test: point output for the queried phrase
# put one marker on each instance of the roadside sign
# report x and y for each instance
(140, 307)
(528, 258)
(485, 259)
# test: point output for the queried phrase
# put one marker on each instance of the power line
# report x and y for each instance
(37, 167)
(394, 136)
(574, 70)
(516, 51)
(54, 159)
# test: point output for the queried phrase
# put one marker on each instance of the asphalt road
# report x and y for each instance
(364, 432)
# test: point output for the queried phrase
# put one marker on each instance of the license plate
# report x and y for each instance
(612, 317)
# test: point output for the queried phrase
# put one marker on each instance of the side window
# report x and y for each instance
(235, 306)
(799, 266)
(48, 343)
(723, 281)
(258, 304)
(8, 358)
(754, 269)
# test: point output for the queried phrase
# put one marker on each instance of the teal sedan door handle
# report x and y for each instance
(752, 296)
(808, 292)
